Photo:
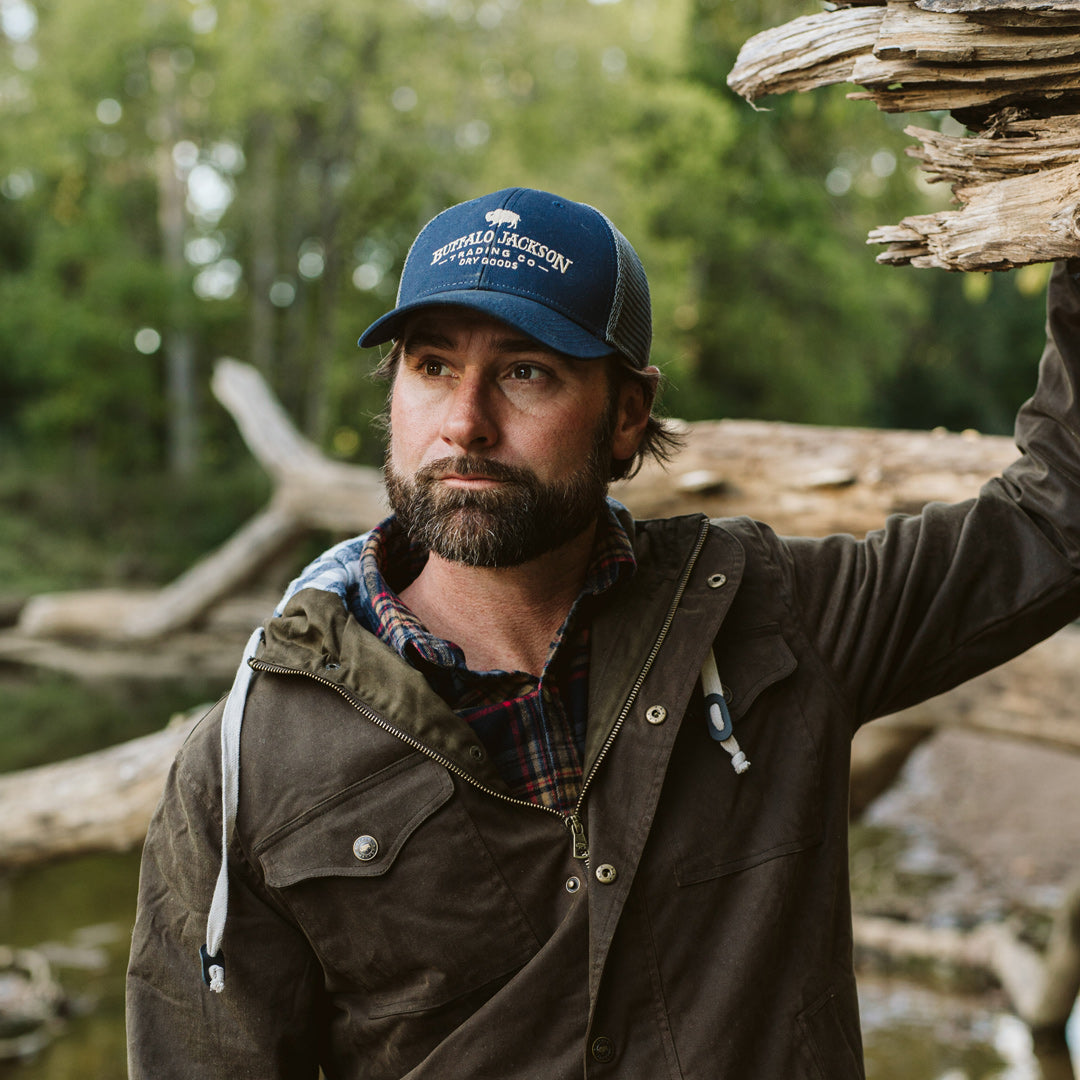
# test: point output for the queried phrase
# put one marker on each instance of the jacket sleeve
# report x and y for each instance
(263, 1024)
(933, 599)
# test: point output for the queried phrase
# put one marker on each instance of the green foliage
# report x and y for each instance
(974, 359)
(39, 723)
(64, 531)
(322, 133)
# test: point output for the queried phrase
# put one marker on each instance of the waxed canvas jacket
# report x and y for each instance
(395, 913)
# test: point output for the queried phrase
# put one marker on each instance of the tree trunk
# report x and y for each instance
(179, 348)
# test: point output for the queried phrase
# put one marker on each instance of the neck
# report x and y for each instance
(503, 618)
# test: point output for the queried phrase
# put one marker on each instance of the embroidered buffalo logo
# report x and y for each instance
(502, 217)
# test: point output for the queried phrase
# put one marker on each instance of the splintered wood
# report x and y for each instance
(1008, 70)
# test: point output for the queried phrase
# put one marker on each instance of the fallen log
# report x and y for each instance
(311, 492)
(98, 802)
(802, 479)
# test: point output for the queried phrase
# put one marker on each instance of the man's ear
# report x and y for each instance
(632, 413)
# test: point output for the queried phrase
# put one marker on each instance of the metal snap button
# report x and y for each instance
(365, 848)
(716, 580)
(606, 873)
(572, 884)
(331, 665)
(603, 1049)
(656, 714)
(476, 752)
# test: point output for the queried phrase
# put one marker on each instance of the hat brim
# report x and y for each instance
(538, 321)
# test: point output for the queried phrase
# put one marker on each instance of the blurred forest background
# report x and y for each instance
(181, 181)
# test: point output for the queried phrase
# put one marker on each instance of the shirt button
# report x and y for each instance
(572, 884)
(603, 1049)
(605, 873)
(656, 714)
(365, 848)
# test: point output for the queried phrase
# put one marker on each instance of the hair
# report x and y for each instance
(661, 440)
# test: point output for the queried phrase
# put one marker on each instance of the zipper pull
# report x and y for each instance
(581, 844)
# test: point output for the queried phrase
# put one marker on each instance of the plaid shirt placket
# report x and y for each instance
(534, 729)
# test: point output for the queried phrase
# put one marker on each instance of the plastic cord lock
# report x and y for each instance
(717, 731)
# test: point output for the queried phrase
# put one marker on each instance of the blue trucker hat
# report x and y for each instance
(556, 270)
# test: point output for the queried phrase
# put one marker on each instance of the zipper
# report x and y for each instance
(665, 626)
(573, 820)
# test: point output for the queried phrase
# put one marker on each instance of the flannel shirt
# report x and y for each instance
(533, 729)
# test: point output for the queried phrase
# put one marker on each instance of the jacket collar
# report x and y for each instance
(316, 635)
(626, 630)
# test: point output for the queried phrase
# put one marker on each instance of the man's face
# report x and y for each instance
(500, 448)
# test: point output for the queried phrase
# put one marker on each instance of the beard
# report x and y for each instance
(520, 520)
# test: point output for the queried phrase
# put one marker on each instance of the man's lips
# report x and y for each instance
(456, 480)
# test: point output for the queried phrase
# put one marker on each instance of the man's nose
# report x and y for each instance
(469, 421)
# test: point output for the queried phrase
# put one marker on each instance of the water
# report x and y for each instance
(913, 1032)
(87, 906)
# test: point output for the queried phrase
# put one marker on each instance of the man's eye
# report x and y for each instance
(433, 368)
(526, 371)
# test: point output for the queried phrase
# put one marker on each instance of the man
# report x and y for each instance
(481, 817)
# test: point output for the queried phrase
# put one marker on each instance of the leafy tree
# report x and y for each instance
(245, 179)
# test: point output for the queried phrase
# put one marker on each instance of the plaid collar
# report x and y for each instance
(389, 561)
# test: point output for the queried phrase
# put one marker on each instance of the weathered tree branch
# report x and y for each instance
(311, 492)
(989, 63)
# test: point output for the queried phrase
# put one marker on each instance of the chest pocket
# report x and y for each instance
(723, 823)
(396, 892)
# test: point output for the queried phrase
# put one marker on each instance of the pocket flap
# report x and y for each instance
(752, 664)
(359, 831)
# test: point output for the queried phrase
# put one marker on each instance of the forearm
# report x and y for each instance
(1045, 480)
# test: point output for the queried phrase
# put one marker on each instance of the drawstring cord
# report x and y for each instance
(720, 727)
(213, 959)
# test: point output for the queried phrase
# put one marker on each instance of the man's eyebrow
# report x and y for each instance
(422, 338)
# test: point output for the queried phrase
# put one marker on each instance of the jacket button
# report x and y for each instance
(606, 873)
(603, 1049)
(716, 580)
(365, 848)
(572, 884)
(656, 714)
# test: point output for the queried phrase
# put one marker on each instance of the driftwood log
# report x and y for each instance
(97, 802)
(311, 492)
(1007, 69)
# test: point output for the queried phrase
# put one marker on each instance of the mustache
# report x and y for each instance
(471, 465)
